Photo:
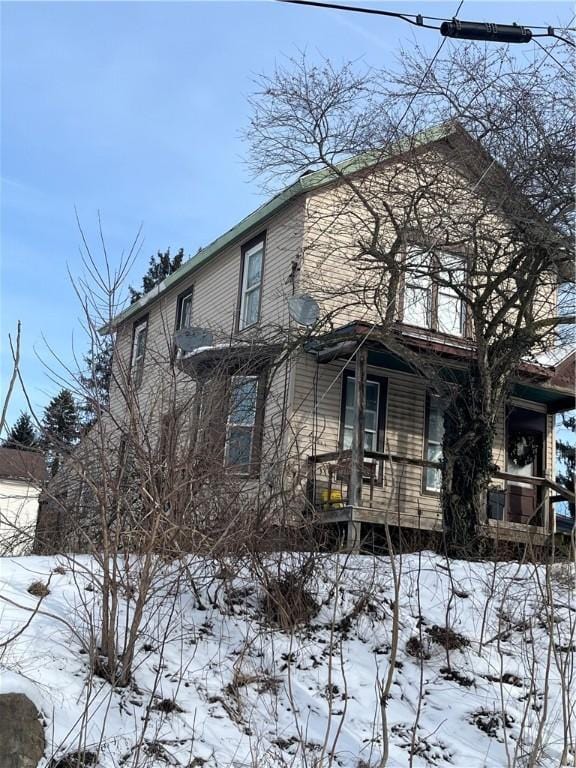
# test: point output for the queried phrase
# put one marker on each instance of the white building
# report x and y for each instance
(21, 476)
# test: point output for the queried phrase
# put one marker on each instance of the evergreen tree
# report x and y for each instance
(160, 267)
(22, 435)
(96, 380)
(61, 427)
(566, 454)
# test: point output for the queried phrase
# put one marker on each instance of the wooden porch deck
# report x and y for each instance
(329, 494)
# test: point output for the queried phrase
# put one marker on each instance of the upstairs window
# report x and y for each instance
(241, 421)
(418, 290)
(138, 352)
(433, 442)
(430, 298)
(251, 283)
(184, 311)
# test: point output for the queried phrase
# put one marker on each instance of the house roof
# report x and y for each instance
(18, 464)
(314, 180)
(306, 183)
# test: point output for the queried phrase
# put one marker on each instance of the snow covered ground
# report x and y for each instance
(216, 684)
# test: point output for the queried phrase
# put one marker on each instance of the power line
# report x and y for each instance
(450, 27)
(417, 19)
(547, 52)
(557, 37)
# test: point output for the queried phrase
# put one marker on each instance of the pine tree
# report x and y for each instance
(96, 381)
(160, 267)
(22, 436)
(566, 453)
(60, 428)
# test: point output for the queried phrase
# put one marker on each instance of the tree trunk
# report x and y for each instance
(467, 447)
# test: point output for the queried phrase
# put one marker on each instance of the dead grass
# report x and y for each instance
(38, 589)
(288, 604)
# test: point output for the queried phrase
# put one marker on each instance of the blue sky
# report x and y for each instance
(135, 110)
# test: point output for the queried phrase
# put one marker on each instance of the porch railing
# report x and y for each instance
(327, 488)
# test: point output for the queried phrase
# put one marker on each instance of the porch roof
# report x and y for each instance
(552, 386)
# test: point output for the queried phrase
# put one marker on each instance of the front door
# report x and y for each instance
(525, 440)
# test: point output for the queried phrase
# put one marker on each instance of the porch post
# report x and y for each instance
(357, 461)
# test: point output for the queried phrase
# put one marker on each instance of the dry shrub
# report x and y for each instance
(80, 759)
(288, 600)
(288, 603)
(167, 706)
(447, 638)
(415, 648)
(38, 589)
(492, 723)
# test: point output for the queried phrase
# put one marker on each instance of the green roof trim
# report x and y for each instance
(305, 183)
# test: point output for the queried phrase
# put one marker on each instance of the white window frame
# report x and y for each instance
(434, 294)
(433, 402)
(186, 297)
(451, 268)
(373, 432)
(231, 425)
(246, 290)
(138, 355)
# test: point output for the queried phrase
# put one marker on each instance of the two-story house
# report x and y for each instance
(273, 397)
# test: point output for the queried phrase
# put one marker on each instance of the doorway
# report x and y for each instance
(525, 443)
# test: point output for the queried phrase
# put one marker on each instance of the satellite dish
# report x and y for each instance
(189, 339)
(303, 309)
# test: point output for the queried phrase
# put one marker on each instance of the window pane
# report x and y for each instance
(140, 341)
(434, 452)
(186, 312)
(433, 480)
(347, 438)
(350, 392)
(138, 350)
(452, 268)
(370, 414)
(254, 267)
(370, 442)
(417, 306)
(370, 420)
(434, 476)
(371, 396)
(434, 445)
(435, 422)
(239, 445)
(251, 307)
(417, 267)
(449, 313)
(243, 401)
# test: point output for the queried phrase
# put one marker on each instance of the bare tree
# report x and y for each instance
(451, 209)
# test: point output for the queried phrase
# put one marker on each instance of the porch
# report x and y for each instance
(329, 492)
(376, 456)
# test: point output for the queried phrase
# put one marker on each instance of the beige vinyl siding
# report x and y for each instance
(351, 285)
(316, 429)
(215, 304)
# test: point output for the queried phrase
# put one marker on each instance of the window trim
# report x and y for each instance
(435, 289)
(246, 247)
(381, 416)
(248, 468)
(188, 293)
(425, 489)
(142, 321)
